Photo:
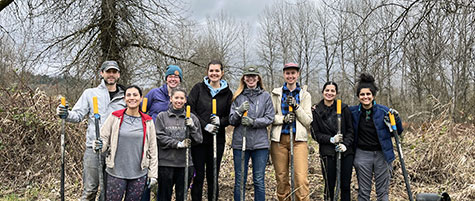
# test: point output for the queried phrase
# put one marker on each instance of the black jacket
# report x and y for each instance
(325, 126)
(201, 102)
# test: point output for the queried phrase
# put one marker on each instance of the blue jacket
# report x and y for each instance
(158, 101)
(384, 136)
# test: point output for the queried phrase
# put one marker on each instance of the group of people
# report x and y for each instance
(142, 150)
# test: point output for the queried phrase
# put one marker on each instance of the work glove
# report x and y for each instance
(97, 145)
(211, 128)
(388, 123)
(243, 108)
(289, 118)
(291, 101)
(340, 148)
(247, 121)
(189, 122)
(151, 182)
(184, 144)
(336, 138)
(214, 120)
(62, 111)
(394, 112)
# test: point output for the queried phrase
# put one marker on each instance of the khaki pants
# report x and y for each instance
(280, 152)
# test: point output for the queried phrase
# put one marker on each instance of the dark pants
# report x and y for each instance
(329, 174)
(169, 177)
(202, 155)
(132, 188)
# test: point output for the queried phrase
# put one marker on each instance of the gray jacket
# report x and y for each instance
(171, 130)
(106, 106)
(261, 110)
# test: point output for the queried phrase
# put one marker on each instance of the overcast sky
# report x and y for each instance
(247, 10)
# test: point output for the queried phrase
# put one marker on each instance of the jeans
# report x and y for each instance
(90, 175)
(368, 164)
(259, 161)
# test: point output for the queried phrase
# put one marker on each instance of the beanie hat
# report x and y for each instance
(174, 70)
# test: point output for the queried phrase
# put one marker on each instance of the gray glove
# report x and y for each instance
(336, 139)
(62, 111)
(388, 123)
(151, 182)
(394, 112)
(291, 101)
(290, 117)
(243, 108)
(247, 121)
(214, 120)
(189, 122)
(211, 128)
(340, 148)
(97, 145)
(184, 144)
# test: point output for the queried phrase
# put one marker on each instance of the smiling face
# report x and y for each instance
(291, 75)
(215, 73)
(251, 81)
(110, 76)
(329, 93)
(366, 98)
(132, 98)
(178, 99)
(173, 81)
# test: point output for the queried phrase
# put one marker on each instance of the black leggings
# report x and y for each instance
(329, 174)
(203, 162)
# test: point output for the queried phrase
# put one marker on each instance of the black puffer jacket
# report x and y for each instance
(325, 126)
(201, 102)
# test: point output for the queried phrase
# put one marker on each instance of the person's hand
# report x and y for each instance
(214, 120)
(97, 145)
(189, 122)
(247, 121)
(289, 118)
(243, 108)
(62, 111)
(211, 128)
(336, 138)
(151, 182)
(184, 144)
(340, 148)
(291, 101)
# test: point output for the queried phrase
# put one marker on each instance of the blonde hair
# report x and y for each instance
(242, 86)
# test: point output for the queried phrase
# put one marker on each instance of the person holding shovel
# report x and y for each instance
(293, 115)
(200, 99)
(374, 148)
(129, 141)
(325, 132)
(172, 126)
(251, 113)
(110, 96)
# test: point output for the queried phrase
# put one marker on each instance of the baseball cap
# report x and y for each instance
(251, 70)
(108, 65)
(291, 65)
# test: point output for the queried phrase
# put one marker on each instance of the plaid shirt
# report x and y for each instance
(285, 107)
